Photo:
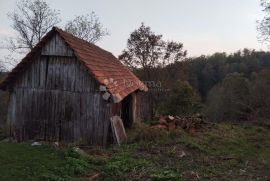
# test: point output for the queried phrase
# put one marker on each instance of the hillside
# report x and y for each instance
(227, 152)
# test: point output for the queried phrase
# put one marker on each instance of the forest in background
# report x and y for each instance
(213, 85)
(231, 90)
(223, 87)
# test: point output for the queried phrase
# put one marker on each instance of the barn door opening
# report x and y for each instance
(126, 111)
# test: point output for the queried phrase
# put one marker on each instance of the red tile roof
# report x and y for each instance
(105, 67)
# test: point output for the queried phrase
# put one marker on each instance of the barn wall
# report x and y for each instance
(136, 107)
(55, 99)
(143, 107)
(58, 116)
(56, 47)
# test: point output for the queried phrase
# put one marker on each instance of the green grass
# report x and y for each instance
(25, 162)
(227, 152)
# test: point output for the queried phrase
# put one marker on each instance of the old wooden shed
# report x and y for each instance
(67, 89)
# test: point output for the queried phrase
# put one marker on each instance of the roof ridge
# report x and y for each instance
(59, 30)
(94, 58)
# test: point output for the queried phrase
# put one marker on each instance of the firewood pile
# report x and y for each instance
(189, 123)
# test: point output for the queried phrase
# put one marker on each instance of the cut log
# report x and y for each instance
(189, 123)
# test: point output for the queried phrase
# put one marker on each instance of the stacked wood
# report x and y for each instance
(189, 123)
(192, 122)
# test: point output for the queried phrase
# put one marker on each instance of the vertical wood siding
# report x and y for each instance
(56, 47)
(55, 99)
(59, 116)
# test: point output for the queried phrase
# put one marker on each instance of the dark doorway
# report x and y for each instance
(126, 111)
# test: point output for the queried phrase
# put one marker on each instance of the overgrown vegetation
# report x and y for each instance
(228, 101)
(227, 88)
(231, 87)
(239, 98)
(182, 100)
(227, 152)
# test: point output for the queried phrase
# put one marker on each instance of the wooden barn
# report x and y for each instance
(67, 89)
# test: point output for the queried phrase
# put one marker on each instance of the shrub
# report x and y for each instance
(143, 132)
(228, 100)
(77, 164)
(182, 100)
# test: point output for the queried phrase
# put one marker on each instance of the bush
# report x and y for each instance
(228, 100)
(260, 97)
(143, 137)
(77, 164)
(142, 132)
(237, 98)
(182, 100)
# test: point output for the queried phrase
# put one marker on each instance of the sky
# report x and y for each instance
(203, 26)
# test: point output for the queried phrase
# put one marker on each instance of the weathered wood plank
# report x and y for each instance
(56, 47)
(56, 99)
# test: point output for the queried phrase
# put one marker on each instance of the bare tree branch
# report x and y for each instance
(87, 27)
(263, 26)
(31, 20)
(2, 67)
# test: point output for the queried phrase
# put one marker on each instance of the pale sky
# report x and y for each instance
(203, 26)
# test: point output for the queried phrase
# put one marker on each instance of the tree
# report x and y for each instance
(149, 53)
(263, 26)
(228, 100)
(87, 27)
(145, 50)
(260, 96)
(31, 20)
(183, 100)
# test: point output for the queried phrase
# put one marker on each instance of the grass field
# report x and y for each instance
(227, 152)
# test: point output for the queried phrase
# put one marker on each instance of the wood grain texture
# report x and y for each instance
(56, 47)
(57, 99)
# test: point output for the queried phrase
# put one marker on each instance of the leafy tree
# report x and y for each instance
(228, 101)
(182, 100)
(149, 53)
(212, 72)
(145, 50)
(87, 27)
(204, 72)
(260, 96)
